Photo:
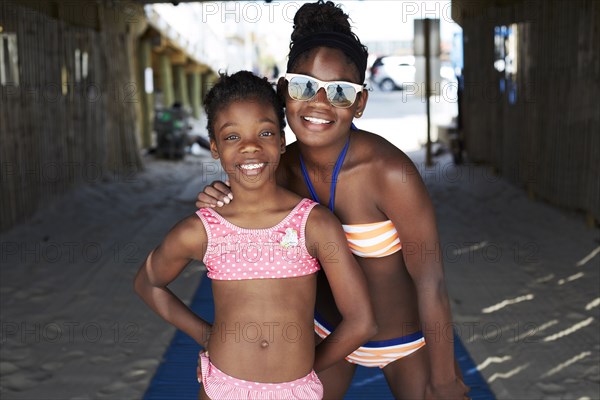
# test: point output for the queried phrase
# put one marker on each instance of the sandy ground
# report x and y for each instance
(522, 276)
(523, 281)
(71, 326)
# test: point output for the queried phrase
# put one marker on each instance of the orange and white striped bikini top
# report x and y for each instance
(374, 240)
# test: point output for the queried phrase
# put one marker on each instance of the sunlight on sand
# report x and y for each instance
(571, 278)
(587, 258)
(534, 331)
(570, 330)
(507, 302)
(493, 360)
(592, 304)
(509, 374)
(565, 364)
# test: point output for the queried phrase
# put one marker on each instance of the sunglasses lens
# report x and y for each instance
(302, 88)
(341, 94)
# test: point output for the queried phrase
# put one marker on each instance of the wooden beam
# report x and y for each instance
(196, 68)
(177, 57)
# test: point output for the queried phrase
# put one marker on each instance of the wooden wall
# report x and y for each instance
(548, 140)
(57, 131)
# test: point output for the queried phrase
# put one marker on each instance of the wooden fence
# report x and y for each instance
(71, 119)
(540, 125)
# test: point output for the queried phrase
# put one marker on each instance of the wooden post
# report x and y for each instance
(196, 94)
(166, 80)
(147, 100)
(181, 88)
(426, 29)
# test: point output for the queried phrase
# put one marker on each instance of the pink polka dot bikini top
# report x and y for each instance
(236, 253)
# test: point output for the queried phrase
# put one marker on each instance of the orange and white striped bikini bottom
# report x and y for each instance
(377, 353)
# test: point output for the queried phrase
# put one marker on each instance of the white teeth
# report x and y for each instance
(316, 120)
(251, 166)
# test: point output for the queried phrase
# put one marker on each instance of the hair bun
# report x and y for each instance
(325, 24)
(320, 17)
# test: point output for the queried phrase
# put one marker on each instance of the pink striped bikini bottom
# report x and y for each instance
(220, 386)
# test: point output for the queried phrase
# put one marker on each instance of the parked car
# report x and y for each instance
(393, 72)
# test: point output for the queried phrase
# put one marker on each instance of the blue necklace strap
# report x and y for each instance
(308, 182)
(336, 171)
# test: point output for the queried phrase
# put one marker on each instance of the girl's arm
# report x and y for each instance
(182, 244)
(408, 205)
(326, 241)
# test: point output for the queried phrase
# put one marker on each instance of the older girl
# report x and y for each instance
(387, 215)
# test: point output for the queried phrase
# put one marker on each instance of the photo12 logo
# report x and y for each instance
(426, 9)
(249, 11)
(67, 332)
(253, 332)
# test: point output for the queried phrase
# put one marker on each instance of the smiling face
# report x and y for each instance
(316, 122)
(248, 141)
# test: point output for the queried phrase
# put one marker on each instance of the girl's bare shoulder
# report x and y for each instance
(189, 230)
(322, 221)
(186, 239)
(378, 154)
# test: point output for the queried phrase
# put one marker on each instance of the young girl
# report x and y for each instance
(262, 252)
(377, 193)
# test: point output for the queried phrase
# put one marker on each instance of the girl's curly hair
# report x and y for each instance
(242, 85)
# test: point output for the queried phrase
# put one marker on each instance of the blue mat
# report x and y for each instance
(175, 378)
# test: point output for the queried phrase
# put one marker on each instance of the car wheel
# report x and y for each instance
(387, 85)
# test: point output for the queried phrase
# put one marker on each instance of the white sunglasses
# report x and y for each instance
(340, 94)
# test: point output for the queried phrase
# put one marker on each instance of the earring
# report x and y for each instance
(359, 114)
